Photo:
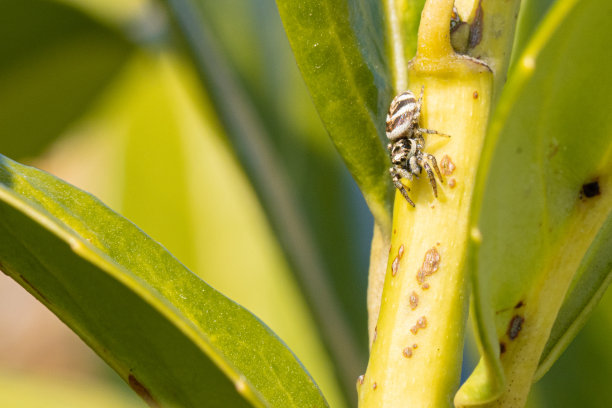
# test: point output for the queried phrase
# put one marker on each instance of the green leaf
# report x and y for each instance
(54, 60)
(174, 339)
(581, 376)
(155, 119)
(266, 114)
(530, 16)
(547, 153)
(340, 50)
(588, 287)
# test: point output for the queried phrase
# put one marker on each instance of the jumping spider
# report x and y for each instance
(407, 142)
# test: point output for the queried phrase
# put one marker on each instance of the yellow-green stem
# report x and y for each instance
(376, 276)
(434, 31)
(417, 349)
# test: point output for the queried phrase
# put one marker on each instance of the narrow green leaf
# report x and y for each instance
(340, 50)
(54, 60)
(174, 339)
(545, 185)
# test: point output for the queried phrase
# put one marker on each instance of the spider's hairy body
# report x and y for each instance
(407, 143)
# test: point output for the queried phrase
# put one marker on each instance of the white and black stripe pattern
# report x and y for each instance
(406, 144)
(403, 116)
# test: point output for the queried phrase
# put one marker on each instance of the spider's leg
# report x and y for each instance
(432, 132)
(433, 160)
(399, 185)
(402, 190)
(421, 95)
(404, 173)
(417, 114)
(432, 179)
(414, 166)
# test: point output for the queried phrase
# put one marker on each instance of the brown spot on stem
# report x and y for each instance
(421, 324)
(360, 379)
(475, 94)
(375, 333)
(516, 324)
(431, 261)
(142, 391)
(452, 183)
(502, 347)
(400, 252)
(395, 266)
(374, 386)
(414, 346)
(407, 352)
(447, 165)
(414, 300)
(519, 305)
(430, 265)
(425, 286)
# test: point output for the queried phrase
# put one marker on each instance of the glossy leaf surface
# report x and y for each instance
(340, 49)
(153, 147)
(174, 339)
(54, 60)
(545, 181)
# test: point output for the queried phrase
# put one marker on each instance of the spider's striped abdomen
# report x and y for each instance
(402, 116)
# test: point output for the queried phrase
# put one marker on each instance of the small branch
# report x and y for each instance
(434, 31)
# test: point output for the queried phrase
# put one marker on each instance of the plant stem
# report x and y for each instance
(424, 300)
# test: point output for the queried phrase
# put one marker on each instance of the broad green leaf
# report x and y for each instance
(184, 147)
(153, 147)
(545, 182)
(277, 140)
(339, 47)
(54, 60)
(174, 339)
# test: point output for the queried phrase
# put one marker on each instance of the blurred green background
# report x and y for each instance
(104, 95)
